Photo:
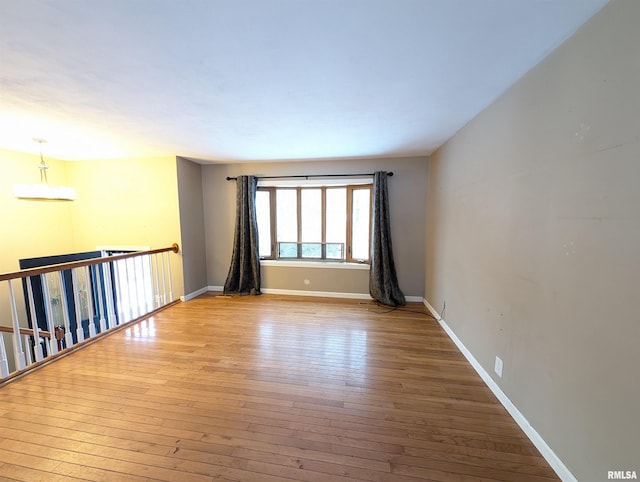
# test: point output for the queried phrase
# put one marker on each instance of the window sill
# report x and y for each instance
(313, 264)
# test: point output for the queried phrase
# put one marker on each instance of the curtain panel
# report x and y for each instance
(383, 282)
(244, 272)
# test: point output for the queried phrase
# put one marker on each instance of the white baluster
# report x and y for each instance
(37, 347)
(138, 285)
(18, 352)
(164, 282)
(4, 365)
(119, 292)
(128, 287)
(26, 340)
(68, 337)
(92, 325)
(100, 292)
(144, 302)
(170, 279)
(52, 342)
(76, 304)
(157, 281)
(146, 283)
(108, 287)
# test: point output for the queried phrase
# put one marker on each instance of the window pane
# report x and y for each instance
(335, 250)
(263, 213)
(360, 226)
(287, 214)
(311, 218)
(287, 250)
(336, 215)
(311, 250)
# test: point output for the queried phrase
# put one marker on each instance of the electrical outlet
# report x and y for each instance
(498, 367)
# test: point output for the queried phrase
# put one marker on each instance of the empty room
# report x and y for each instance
(319, 240)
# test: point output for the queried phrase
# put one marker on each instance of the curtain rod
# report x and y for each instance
(310, 175)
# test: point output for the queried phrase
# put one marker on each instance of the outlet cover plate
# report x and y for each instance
(498, 366)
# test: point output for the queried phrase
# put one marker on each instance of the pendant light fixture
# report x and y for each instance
(43, 191)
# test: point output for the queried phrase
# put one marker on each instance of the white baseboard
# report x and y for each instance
(550, 456)
(329, 294)
(414, 299)
(191, 296)
(324, 294)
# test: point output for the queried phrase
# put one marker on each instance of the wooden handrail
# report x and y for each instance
(79, 264)
(106, 313)
(25, 331)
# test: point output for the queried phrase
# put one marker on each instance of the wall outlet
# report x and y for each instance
(498, 367)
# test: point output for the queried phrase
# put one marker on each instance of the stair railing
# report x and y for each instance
(66, 306)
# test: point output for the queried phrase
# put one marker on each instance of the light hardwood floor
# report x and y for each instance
(266, 388)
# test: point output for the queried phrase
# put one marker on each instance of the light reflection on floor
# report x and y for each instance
(142, 331)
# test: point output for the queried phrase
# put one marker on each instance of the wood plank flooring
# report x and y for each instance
(266, 388)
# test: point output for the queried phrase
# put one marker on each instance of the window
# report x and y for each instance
(325, 223)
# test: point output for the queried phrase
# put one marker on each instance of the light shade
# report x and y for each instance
(44, 191)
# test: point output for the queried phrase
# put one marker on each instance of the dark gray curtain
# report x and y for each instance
(244, 273)
(383, 282)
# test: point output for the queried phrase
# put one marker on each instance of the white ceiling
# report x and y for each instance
(220, 80)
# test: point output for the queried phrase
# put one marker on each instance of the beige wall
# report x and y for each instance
(31, 228)
(192, 225)
(534, 243)
(407, 193)
(316, 277)
(131, 202)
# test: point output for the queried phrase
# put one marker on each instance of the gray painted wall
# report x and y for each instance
(407, 193)
(534, 243)
(191, 207)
